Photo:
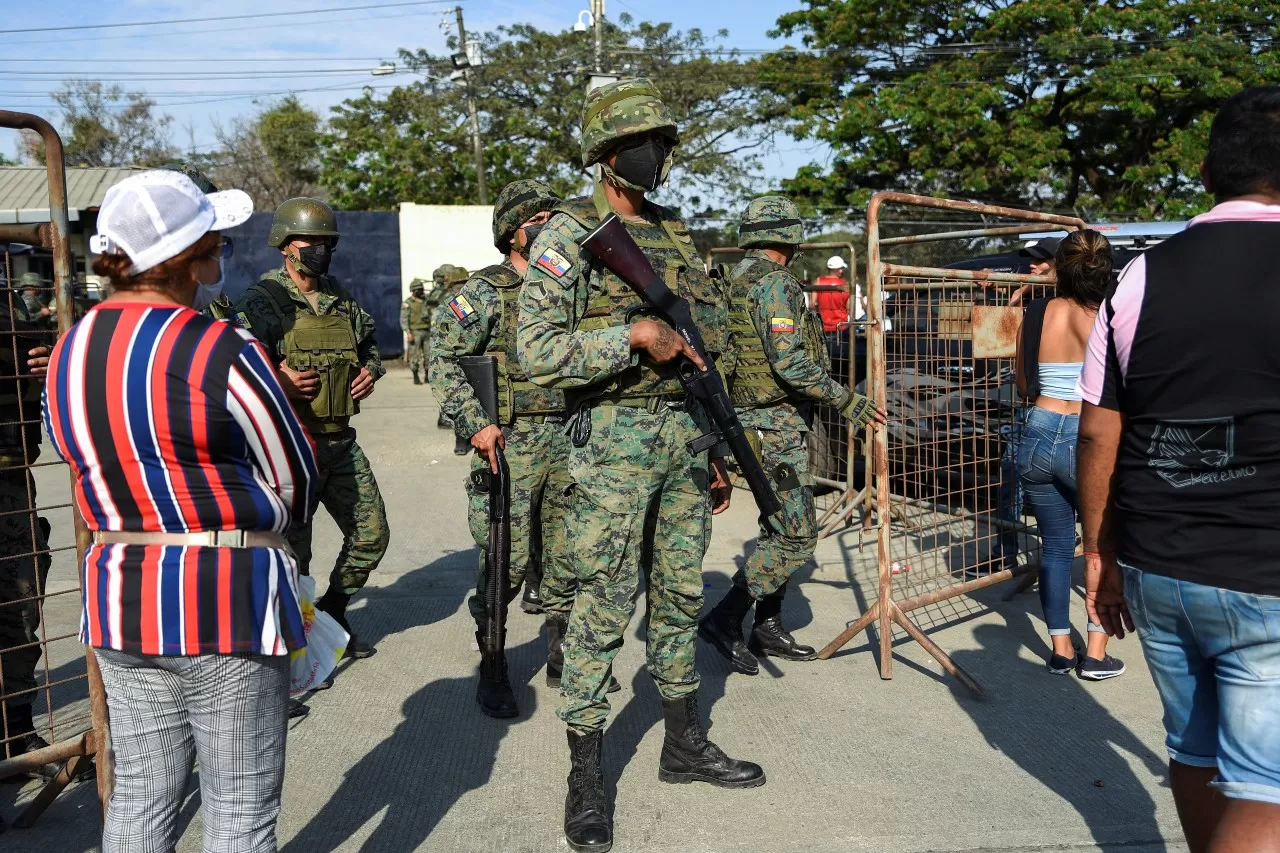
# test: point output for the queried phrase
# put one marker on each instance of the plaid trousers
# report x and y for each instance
(230, 711)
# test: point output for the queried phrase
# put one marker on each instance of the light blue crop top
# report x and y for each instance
(1058, 379)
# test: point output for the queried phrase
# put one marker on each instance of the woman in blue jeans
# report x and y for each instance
(1058, 330)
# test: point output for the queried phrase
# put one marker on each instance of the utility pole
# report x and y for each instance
(597, 18)
(471, 104)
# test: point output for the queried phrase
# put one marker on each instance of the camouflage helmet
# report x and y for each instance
(618, 110)
(417, 284)
(518, 201)
(32, 279)
(197, 177)
(770, 220)
(457, 275)
(302, 217)
(441, 273)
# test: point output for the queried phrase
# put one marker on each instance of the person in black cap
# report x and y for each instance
(1041, 253)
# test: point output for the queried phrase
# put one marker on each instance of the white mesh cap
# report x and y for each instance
(835, 262)
(154, 216)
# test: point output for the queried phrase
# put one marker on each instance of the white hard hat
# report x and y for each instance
(157, 215)
(835, 262)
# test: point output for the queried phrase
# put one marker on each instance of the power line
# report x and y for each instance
(206, 59)
(228, 17)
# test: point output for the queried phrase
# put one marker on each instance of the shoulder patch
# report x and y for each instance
(782, 324)
(243, 321)
(554, 263)
(462, 310)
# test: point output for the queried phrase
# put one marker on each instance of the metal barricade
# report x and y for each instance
(943, 466)
(50, 686)
(838, 459)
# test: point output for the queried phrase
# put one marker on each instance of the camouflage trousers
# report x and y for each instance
(634, 470)
(787, 539)
(538, 456)
(349, 492)
(22, 580)
(418, 354)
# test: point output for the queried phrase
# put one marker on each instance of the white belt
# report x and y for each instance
(205, 538)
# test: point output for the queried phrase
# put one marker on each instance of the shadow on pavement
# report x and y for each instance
(1058, 730)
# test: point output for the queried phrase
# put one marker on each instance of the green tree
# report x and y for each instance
(97, 132)
(413, 144)
(1098, 106)
(273, 155)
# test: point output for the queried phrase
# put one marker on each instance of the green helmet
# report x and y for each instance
(441, 274)
(518, 201)
(417, 284)
(618, 110)
(32, 279)
(302, 217)
(770, 220)
(197, 177)
(457, 275)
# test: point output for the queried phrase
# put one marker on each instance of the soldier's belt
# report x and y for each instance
(650, 403)
(555, 418)
(205, 538)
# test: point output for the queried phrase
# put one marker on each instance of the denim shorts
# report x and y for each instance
(1215, 657)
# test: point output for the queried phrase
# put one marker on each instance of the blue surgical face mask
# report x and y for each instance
(207, 294)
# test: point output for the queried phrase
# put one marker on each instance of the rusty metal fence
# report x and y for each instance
(944, 374)
(838, 457)
(52, 705)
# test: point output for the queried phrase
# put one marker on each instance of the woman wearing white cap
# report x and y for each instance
(189, 465)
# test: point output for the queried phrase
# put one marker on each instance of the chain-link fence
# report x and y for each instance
(52, 707)
(941, 347)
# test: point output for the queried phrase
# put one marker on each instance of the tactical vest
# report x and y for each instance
(326, 344)
(613, 303)
(516, 394)
(419, 315)
(754, 383)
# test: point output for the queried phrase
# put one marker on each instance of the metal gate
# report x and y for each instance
(943, 475)
(49, 682)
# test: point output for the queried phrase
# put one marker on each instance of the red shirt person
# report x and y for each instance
(833, 305)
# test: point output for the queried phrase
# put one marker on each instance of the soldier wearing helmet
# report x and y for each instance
(415, 320)
(435, 295)
(585, 332)
(781, 371)
(481, 319)
(323, 342)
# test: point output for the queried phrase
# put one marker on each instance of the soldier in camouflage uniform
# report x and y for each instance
(630, 423)
(455, 278)
(481, 319)
(328, 363)
(781, 371)
(415, 319)
(34, 302)
(439, 286)
(24, 538)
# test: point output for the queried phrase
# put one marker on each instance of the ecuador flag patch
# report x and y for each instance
(463, 310)
(554, 263)
(782, 324)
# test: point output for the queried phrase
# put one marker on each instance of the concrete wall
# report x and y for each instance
(433, 234)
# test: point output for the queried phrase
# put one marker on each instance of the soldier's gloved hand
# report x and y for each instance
(298, 385)
(861, 411)
(362, 385)
(486, 440)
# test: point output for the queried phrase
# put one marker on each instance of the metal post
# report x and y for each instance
(597, 19)
(475, 117)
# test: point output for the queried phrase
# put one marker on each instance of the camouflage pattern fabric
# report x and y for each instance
(634, 469)
(419, 332)
(22, 578)
(349, 493)
(33, 304)
(770, 220)
(624, 108)
(519, 202)
(538, 454)
(220, 308)
(787, 541)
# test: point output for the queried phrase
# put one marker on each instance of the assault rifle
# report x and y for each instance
(612, 246)
(482, 373)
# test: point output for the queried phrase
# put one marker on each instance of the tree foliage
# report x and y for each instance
(414, 144)
(96, 133)
(1098, 106)
(273, 155)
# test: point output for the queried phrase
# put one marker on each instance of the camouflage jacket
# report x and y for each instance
(424, 318)
(777, 309)
(473, 323)
(257, 313)
(220, 308)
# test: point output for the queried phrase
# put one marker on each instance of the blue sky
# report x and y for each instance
(227, 64)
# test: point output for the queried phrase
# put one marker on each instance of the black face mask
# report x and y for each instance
(531, 233)
(315, 259)
(642, 163)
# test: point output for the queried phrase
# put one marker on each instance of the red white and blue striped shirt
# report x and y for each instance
(175, 422)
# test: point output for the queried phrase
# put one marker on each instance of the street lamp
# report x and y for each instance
(383, 70)
(581, 27)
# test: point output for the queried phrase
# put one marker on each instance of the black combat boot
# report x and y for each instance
(495, 695)
(22, 729)
(687, 755)
(768, 637)
(557, 625)
(722, 628)
(334, 602)
(461, 447)
(531, 601)
(417, 380)
(442, 422)
(587, 826)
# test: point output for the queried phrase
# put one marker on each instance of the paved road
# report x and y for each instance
(396, 758)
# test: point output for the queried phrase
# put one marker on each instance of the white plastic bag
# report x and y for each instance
(326, 643)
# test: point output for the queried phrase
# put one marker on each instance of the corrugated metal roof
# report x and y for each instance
(24, 191)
